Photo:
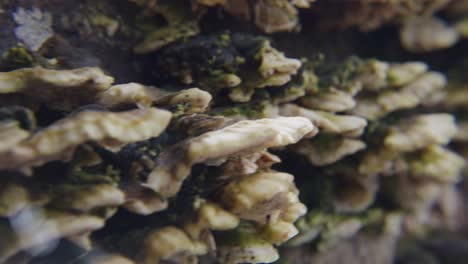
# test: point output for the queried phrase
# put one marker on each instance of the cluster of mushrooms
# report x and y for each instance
(246, 154)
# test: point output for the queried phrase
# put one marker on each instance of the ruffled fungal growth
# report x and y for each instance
(364, 133)
(183, 242)
(62, 90)
(267, 204)
(57, 141)
(329, 93)
(191, 100)
(245, 245)
(421, 169)
(419, 29)
(437, 163)
(171, 244)
(424, 34)
(237, 62)
(36, 227)
(270, 16)
(129, 94)
(407, 136)
(209, 216)
(193, 239)
(413, 88)
(331, 101)
(248, 164)
(37, 213)
(419, 131)
(269, 150)
(180, 21)
(428, 172)
(87, 197)
(430, 204)
(429, 33)
(214, 203)
(327, 150)
(368, 15)
(243, 137)
(326, 122)
(267, 198)
(275, 15)
(329, 230)
(91, 183)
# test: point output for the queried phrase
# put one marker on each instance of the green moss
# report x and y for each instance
(340, 75)
(17, 57)
(251, 110)
(318, 226)
(229, 66)
(200, 57)
(106, 174)
(309, 228)
(88, 167)
(244, 235)
(214, 63)
(392, 79)
(225, 38)
(137, 160)
(178, 110)
(305, 81)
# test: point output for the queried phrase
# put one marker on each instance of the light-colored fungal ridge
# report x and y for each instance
(58, 141)
(241, 138)
(60, 89)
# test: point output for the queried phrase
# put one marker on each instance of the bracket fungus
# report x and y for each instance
(231, 131)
